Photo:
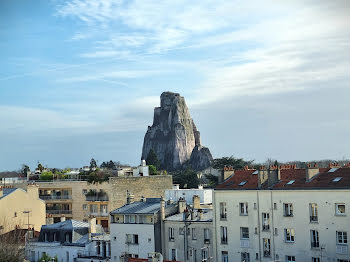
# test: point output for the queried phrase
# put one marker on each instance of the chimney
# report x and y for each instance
(92, 224)
(200, 214)
(226, 173)
(129, 198)
(311, 171)
(182, 205)
(162, 208)
(262, 176)
(33, 191)
(192, 214)
(196, 202)
(63, 218)
(176, 186)
(49, 219)
(143, 199)
(274, 175)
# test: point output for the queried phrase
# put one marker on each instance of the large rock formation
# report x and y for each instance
(174, 136)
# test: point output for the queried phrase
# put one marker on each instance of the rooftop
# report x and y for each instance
(150, 206)
(290, 178)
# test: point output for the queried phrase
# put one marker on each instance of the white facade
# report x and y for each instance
(299, 225)
(205, 195)
(136, 240)
(141, 170)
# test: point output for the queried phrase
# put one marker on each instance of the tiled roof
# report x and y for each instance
(292, 178)
(150, 206)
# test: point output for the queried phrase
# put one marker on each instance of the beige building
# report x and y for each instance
(21, 209)
(79, 200)
(283, 214)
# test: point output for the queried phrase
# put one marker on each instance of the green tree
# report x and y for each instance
(213, 180)
(46, 175)
(25, 169)
(236, 163)
(40, 167)
(152, 170)
(152, 159)
(186, 178)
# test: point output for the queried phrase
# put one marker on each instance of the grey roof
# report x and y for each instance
(67, 225)
(207, 216)
(7, 191)
(150, 206)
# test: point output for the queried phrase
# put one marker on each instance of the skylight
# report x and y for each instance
(290, 182)
(332, 170)
(255, 172)
(242, 183)
(337, 179)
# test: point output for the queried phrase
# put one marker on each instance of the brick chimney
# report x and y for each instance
(196, 202)
(226, 173)
(311, 171)
(274, 175)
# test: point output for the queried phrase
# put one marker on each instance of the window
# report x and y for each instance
(194, 237)
(315, 243)
(290, 258)
(67, 238)
(244, 233)
(342, 237)
(245, 257)
(340, 209)
(132, 239)
(173, 253)
(206, 235)
(223, 235)
(85, 207)
(290, 182)
(15, 215)
(265, 221)
(337, 179)
(104, 209)
(266, 247)
(288, 210)
(289, 235)
(84, 191)
(46, 237)
(142, 219)
(315, 259)
(224, 256)
(130, 219)
(98, 250)
(242, 183)
(55, 236)
(275, 206)
(181, 231)
(255, 206)
(276, 231)
(313, 213)
(243, 209)
(223, 211)
(171, 234)
(204, 254)
(93, 208)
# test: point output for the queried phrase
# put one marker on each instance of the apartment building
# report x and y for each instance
(80, 200)
(175, 193)
(283, 214)
(189, 233)
(21, 209)
(136, 227)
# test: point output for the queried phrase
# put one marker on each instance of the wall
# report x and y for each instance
(327, 226)
(205, 195)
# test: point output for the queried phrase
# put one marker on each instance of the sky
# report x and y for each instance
(262, 79)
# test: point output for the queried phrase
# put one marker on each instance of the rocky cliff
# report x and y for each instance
(174, 137)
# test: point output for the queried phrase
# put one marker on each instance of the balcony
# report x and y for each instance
(52, 197)
(313, 219)
(97, 198)
(99, 214)
(59, 212)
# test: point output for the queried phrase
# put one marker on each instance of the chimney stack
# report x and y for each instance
(63, 218)
(311, 171)
(196, 202)
(49, 219)
(262, 176)
(200, 214)
(226, 173)
(274, 175)
(182, 205)
(129, 198)
(162, 208)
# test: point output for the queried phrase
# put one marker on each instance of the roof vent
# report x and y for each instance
(290, 182)
(337, 179)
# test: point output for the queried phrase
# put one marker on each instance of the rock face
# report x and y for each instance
(174, 136)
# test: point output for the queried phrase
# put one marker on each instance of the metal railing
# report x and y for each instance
(51, 197)
(97, 198)
(313, 218)
(58, 212)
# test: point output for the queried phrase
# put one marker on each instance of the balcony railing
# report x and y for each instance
(97, 198)
(315, 244)
(99, 214)
(267, 253)
(50, 197)
(59, 212)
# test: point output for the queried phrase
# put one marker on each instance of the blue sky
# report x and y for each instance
(262, 79)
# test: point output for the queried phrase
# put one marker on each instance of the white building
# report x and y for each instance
(141, 170)
(283, 214)
(136, 228)
(174, 194)
(189, 234)
(70, 241)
